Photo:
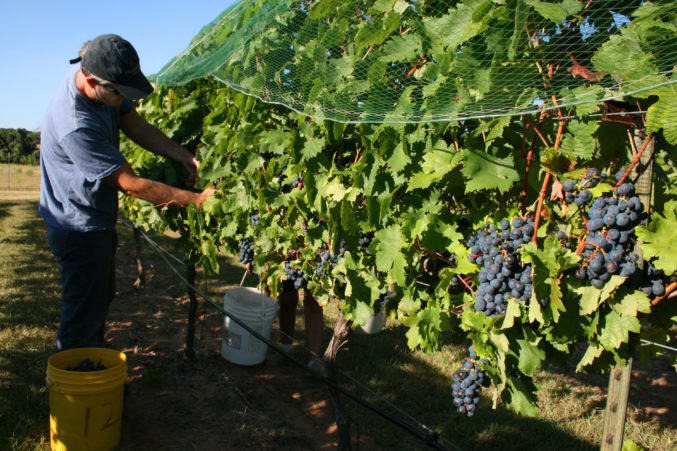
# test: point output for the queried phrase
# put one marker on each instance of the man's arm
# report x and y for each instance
(126, 180)
(150, 138)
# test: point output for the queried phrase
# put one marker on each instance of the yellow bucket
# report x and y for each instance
(85, 407)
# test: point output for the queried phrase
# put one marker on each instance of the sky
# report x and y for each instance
(37, 38)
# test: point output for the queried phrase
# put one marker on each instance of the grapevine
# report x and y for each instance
(452, 220)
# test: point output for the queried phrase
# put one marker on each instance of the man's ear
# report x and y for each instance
(91, 81)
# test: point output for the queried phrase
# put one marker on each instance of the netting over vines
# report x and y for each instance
(391, 61)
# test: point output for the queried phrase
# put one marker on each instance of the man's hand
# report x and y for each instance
(191, 165)
(150, 138)
(204, 195)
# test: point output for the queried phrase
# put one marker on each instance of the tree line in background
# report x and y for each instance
(19, 146)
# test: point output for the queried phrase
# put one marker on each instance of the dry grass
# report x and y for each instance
(19, 182)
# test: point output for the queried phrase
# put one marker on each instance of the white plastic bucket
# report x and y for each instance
(377, 321)
(374, 325)
(257, 311)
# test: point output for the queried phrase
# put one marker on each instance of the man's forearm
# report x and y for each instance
(161, 194)
(152, 139)
(126, 180)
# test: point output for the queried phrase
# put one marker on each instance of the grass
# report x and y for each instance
(18, 178)
(389, 374)
(29, 313)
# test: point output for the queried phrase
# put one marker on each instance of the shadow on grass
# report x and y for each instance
(385, 364)
(33, 272)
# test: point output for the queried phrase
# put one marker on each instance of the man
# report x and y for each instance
(82, 170)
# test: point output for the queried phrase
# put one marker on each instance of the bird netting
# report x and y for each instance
(433, 60)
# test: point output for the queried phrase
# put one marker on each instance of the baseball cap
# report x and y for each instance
(115, 60)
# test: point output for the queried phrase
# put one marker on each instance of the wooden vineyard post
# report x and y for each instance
(616, 407)
(619, 379)
(189, 351)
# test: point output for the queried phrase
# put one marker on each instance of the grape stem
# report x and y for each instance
(632, 144)
(635, 160)
(546, 179)
(668, 290)
(464, 282)
(537, 216)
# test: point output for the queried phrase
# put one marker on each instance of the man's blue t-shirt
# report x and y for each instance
(79, 147)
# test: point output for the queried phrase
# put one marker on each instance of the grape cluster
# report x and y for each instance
(87, 365)
(563, 238)
(612, 219)
(653, 284)
(503, 275)
(365, 240)
(295, 277)
(327, 257)
(581, 195)
(297, 180)
(467, 384)
(256, 220)
(246, 254)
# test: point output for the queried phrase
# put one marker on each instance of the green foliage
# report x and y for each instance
(421, 188)
(19, 146)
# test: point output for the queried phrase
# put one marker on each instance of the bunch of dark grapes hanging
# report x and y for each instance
(327, 258)
(246, 254)
(653, 281)
(611, 222)
(503, 275)
(295, 277)
(297, 181)
(580, 194)
(256, 220)
(365, 240)
(467, 384)
(281, 176)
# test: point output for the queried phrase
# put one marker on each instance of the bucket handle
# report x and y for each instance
(244, 276)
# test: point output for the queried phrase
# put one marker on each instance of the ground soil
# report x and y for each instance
(204, 402)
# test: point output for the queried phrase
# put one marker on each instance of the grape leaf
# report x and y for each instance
(632, 303)
(589, 357)
(546, 266)
(530, 356)
(401, 48)
(556, 12)
(513, 311)
(616, 330)
(436, 164)
(579, 141)
(661, 114)
(623, 58)
(520, 396)
(454, 28)
(484, 171)
(388, 250)
(659, 239)
(589, 299)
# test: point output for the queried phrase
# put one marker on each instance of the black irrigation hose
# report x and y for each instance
(431, 439)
